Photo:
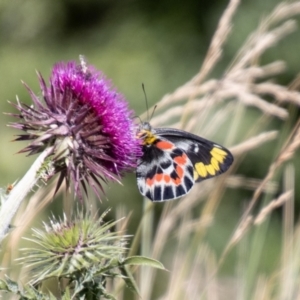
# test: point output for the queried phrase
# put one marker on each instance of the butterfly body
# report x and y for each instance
(173, 160)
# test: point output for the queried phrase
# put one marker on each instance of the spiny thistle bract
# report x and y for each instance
(86, 122)
(85, 245)
(81, 254)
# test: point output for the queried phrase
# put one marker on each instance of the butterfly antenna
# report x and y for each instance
(137, 117)
(147, 106)
(154, 108)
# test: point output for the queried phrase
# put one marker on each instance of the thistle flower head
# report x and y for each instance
(87, 123)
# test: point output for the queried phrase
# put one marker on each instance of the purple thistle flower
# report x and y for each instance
(87, 123)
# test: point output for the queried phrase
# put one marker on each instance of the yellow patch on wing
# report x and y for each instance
(201, 169)
(215, 164)
(210, 169)
(196, 175)
(218, 154)
(217, 159)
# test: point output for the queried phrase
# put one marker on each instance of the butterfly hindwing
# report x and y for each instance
(164, 172)
(173, 160)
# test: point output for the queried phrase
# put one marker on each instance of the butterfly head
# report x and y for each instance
(146, 134)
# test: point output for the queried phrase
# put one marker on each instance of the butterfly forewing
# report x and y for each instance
(209, 159)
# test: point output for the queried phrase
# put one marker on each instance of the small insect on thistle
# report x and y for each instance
(173, 160)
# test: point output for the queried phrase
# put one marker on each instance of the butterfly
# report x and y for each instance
(173, 160)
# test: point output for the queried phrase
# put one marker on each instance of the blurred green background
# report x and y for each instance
(158, 43)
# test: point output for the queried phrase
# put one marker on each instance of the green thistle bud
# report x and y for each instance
(67, 248)
(81, 255)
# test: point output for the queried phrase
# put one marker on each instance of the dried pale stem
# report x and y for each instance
(245, 83)
(19, 192)
(254, 142)
(146, 238)
(239, 181)
(285, 154)
(266, 211)
(263, 41)
(215, 50)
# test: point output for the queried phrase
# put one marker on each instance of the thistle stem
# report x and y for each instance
(146, 243)
(19, 192)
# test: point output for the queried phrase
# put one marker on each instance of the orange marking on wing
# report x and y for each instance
(167, 178)
(177, 181)
(149, 181)
(158, 177)
(181, 160)
(164, 145)
(179, 171)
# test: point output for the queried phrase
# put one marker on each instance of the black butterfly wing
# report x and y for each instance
(209, 159)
